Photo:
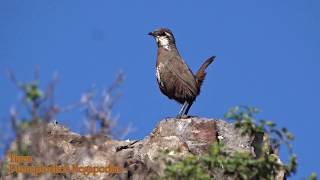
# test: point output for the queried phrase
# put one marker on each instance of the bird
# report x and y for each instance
(174, 77)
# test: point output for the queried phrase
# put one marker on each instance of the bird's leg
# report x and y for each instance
(187, 109)
(182, 110)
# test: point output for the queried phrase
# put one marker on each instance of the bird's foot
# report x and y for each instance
(183, 116)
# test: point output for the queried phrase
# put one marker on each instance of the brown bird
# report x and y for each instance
(175, 79)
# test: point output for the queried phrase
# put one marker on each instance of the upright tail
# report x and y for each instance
(201, 73)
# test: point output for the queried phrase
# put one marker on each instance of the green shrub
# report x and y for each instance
(239, 165)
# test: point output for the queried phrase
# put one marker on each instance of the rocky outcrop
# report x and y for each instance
(138, 159)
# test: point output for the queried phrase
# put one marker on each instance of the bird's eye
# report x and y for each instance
(163, 33)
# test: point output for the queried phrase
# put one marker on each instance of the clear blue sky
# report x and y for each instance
(268, 56)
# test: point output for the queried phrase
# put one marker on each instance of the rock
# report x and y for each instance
(232, 138)
(139, 159)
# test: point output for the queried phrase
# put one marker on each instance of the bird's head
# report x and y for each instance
(164, 37)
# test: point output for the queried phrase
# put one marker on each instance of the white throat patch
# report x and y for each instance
(164, 42)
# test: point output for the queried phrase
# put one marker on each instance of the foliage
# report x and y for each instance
(41, 106)
(244, 120)
(189, 168)
(238, 165)
(313, 176)
(41, 109)
(98, 108)
(32, 91)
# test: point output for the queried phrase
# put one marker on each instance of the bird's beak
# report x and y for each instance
(151, 34)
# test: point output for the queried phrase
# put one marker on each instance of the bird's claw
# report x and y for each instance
(183, 116)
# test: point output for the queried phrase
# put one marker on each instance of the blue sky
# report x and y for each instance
(267, 52)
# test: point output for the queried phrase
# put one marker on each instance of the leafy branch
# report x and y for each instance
(239, 165)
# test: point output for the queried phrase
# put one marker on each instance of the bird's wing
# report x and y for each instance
(183, 73)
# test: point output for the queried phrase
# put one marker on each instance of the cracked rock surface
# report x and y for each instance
(139, 159)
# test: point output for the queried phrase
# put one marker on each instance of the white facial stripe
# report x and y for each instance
(168, 34)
